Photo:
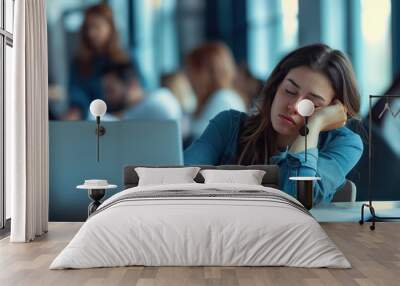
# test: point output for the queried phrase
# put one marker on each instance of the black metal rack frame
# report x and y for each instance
(369, 205)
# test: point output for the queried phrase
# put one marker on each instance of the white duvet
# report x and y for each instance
(183, 231)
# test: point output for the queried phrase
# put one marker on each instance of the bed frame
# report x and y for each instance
(270, 179)
(347, 193)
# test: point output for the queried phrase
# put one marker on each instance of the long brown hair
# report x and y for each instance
(112, 50)
(257, 140)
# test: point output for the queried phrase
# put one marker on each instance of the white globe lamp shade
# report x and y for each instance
(305, 107)
(98, 107)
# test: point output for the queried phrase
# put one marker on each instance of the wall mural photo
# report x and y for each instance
(193, 83)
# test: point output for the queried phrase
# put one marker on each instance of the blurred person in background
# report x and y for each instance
(247, 85)
(179, 85)
(99, 47)
(126, 99)
(211, 70)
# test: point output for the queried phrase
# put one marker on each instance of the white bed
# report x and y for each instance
(201, 224)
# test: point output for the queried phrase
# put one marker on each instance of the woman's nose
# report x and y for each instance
(292, 107)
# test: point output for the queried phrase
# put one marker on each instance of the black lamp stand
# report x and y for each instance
(304, 132)
(100, 131)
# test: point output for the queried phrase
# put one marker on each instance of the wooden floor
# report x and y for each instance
(374, 255)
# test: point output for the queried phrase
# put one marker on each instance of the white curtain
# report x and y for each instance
(27, 124)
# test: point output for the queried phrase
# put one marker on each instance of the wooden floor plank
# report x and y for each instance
(374, 255)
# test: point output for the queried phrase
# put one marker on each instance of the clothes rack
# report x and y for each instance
(369, 205)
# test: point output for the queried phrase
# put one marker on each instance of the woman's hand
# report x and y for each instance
(329, 117)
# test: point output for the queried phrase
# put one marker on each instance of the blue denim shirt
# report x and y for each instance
(338, 152)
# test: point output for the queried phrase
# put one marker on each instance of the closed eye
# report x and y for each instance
(290, 92)
(317, 103)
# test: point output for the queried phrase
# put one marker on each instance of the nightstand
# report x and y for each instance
(96, 191)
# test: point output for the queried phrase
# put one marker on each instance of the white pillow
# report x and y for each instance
(163, 176)
(248, 177)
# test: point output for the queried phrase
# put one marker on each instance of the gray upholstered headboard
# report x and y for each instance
(270, 179)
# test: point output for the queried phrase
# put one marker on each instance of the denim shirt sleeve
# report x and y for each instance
(331, 162)
(212, 144)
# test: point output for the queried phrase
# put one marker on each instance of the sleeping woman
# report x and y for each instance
(271, 134)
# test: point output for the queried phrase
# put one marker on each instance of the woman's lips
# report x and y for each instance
(287, 119)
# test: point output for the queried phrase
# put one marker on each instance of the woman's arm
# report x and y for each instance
(327, 118)
(331, 163)
(334, 160)
(210, 147)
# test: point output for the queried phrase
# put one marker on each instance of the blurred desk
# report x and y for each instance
(351, 211)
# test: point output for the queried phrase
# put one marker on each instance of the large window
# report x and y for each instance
(6, 43)
(371, 54)
(272, 32)
(155, 46)
(376, 46)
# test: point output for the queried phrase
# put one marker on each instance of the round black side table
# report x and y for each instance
(95, 193)
(305, 190)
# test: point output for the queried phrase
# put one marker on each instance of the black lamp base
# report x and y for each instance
(96, 195)
(304, 131)
(100, 131)
(305, 193)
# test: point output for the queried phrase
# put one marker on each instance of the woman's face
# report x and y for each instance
(99, 31)
(300, 83)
